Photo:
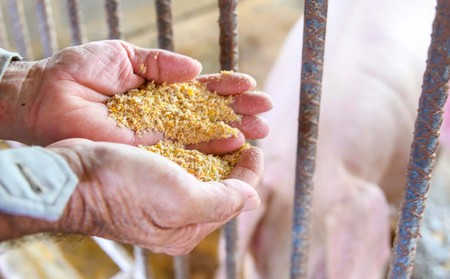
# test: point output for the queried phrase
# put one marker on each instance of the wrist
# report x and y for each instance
(13, 100)
(14, 226)
(77, 216)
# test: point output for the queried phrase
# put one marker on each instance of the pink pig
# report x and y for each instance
(375, 57)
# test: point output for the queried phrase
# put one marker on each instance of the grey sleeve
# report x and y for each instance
(35, 182)
(5, 58)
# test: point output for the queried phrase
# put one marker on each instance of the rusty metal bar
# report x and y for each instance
(229, 51)
(229, 55)
(425, 142)
(181, 264)
(114, 19)
(4, 42)
(77, 30)
(46, 27)
(20, 28)
(165, 24)
(315, 19)
(182, 267)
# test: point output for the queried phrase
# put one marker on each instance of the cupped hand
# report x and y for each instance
(64, 96)
(134, 196)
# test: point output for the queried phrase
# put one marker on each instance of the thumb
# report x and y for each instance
(160, 65)
(214, 202)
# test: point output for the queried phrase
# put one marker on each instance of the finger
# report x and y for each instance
(213, 202)
(248, 172)
(183, 245)
(251, 103)
(162, 66)
(69, 142)
(228, 84)
(250, 167)
(252, 126)
(220, 146)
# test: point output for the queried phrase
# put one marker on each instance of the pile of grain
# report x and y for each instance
(203, 166)
(185, 112)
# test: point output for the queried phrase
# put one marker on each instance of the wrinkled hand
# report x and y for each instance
(63, 96)
(138, 197)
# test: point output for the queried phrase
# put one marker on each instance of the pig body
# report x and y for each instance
(375, 57)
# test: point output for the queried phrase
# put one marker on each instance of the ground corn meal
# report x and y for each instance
(187, 113)
(203, 166)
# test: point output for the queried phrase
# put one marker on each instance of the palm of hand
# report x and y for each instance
(73, 89)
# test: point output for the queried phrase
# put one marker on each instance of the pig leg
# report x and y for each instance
(349, 237)
(357, 234)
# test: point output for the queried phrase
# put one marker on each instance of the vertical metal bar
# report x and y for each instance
(229, 49)
(46, 27)
(424, 145)
(182, 267)
(20, 28)
(78, 35)
(141, 269)
(229, 55)
(165, 29)
(231, 247)
(315, 20)
(114, 19)
(4, 42)
(165, 41)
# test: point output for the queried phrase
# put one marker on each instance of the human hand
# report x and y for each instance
(134, 196)
(63, 96)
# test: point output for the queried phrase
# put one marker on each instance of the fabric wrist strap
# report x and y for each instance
(5, 58)
(35, 182)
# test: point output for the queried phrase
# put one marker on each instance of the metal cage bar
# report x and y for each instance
(141, 269)
(424, 145)
(231, 247)
(181, 264)
(46, 27)
(229, 55)
(114, 16)
(165, 24)
(229, 51)
(118, 254)
(77, 31)
(4, 42)
(315, 20)
(20, 28)
(182, 267)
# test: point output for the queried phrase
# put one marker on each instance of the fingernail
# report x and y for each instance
(251, 203)
(254, 83)
(200, 64)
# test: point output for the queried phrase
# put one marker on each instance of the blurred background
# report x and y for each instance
(263, 24)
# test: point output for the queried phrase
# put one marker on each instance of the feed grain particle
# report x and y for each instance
(186, 112)
(204, 167)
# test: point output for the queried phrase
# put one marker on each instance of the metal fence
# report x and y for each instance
(422, 158)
